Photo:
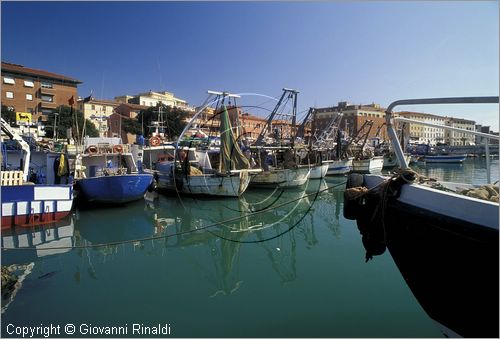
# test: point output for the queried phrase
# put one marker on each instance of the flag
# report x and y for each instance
(71, 101)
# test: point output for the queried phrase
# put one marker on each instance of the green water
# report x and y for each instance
(276, 269)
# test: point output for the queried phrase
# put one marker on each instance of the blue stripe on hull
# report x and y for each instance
(115, 188)
(26, 192)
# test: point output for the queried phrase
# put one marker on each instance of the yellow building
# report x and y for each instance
(97, 111)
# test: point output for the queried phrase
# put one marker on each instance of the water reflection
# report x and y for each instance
(26, 244)
(265, 218)
(471, 171)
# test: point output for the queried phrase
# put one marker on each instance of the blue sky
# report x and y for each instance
(360, 52)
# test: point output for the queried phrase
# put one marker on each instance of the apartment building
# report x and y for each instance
(455, 138)
(354, 116)
(151, 99)
(420, 134)
(35, 91)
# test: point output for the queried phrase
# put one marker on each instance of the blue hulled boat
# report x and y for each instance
(445, 158)
(107, 173)
(116, 188)
(26, 199)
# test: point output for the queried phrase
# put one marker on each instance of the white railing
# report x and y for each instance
(432, 101)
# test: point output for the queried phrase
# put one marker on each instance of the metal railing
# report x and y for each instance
(431, 101)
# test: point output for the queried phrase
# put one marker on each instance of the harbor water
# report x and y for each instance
(276, 263)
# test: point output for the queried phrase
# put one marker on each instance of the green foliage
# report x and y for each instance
(8, 115)
(174, 120)
(66, 120)
(131, 126)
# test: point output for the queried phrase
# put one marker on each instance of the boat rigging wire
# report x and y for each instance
(221, 223)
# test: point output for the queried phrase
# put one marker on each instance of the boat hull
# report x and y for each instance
(115, 189)
(392, 161)
(371, 165)
(210, 185)
(446, 247)
(282, 178)
(339, 167)
(319, 171)
(28, 205)
(451, 267)
(445, 158)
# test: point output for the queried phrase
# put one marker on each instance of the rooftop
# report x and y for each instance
(20, 69)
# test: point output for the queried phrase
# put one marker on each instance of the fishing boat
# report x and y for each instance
(222, 171)
(319, 171)
(339, 167)
(107, 173)
(390, 160)
(444, 243)
(364, 158)
(369, 165)
(25, 203)
(280, 162)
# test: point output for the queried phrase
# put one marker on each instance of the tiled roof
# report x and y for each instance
(100, 101)
(19, 69)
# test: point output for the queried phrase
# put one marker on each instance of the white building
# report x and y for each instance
(151, 99)
(420, 134)
(458, 138)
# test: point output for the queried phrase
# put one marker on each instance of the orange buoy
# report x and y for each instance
(155, 141)
(92, 149)
(117, 149)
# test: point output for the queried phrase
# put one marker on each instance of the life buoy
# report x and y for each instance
(155, 141)
(117, 149)
(92, 149)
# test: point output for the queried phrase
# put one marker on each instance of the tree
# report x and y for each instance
(174, 119)
(131, 126)
(66, 120)
(8, 114)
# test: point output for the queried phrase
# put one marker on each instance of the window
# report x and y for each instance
(46, 84)
(29, 97)
(47, 98)
(46, 111)
(93, 107)
(29, 83)
(9, 95)
(7, 80)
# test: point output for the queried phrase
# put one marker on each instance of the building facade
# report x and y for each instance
(420, 134)
(151, 99)
(354, 116)
(97, 111)
(455, 138)
(35, 91)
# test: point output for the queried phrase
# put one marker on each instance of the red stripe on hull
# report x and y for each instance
(32, 219)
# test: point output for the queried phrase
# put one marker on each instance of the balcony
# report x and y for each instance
(47, 104)
(46, 90)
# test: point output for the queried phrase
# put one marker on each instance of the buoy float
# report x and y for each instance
(92, 149)
(118, 149)
(155, 141)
